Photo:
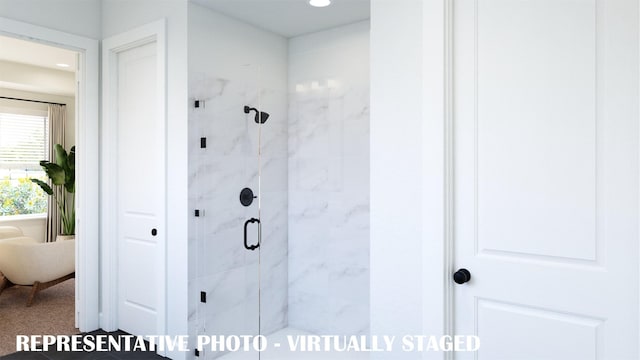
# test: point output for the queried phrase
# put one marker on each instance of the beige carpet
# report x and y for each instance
(52, 313)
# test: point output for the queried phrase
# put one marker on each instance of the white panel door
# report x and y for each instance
(545, 133)
(141, 190)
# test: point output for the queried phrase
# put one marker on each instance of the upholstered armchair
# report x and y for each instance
(24, 261)
(7, 232)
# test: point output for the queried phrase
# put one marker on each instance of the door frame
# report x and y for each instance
(87, 140)
(153, 32)
(437, 150)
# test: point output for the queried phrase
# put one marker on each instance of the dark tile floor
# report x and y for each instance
(95, 355)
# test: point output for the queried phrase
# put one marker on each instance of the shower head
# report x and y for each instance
(261, 117)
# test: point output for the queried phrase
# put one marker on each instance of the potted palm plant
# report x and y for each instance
(62, 174)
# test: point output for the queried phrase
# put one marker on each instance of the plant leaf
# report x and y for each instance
(70, 181)
(71, 159)
(45, 187)
(61, 156)
(70, 171)
(55, 172)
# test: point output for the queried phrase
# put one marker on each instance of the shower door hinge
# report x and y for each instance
(203, 142)
(198, 103)
(197, 213)
(197, 353)
(203, 297)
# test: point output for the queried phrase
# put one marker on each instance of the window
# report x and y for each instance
(24, 141)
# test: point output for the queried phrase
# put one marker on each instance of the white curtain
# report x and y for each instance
(57, 121)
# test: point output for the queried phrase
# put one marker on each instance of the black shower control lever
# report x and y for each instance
(246, 223)
(246, 197)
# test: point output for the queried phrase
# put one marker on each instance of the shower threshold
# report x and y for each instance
(283, 352)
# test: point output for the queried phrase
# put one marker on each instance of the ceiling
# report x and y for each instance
(291, 18)
(32, 53)
(41, 74)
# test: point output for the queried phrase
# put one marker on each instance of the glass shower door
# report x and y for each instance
(225, 146)
(239, 177)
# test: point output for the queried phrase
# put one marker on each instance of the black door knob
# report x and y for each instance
(461, 276)
(154, 232)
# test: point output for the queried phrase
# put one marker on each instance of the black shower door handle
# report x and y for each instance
(246, 223)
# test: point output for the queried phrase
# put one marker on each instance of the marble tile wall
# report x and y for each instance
(329, 181)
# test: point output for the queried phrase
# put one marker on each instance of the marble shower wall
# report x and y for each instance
(231, 65)
(329, 181)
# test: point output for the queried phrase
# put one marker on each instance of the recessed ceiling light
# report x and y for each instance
(63, 65)
(319, 3)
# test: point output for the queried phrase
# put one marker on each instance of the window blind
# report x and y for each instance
(24, 141)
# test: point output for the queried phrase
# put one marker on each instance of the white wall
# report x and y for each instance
(329, 181)
(232, 46)
(405, 292)
(409, 271)
(119, 16)
(79, 17)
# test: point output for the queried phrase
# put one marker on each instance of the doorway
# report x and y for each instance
(37, 113)
(86, 134)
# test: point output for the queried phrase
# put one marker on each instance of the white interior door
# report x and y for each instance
(546, 177)
(140, 190)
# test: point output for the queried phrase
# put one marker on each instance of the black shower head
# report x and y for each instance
(261, 117)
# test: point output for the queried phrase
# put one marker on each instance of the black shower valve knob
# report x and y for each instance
(246, 196)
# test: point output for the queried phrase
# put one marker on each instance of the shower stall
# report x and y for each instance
(278, 185)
